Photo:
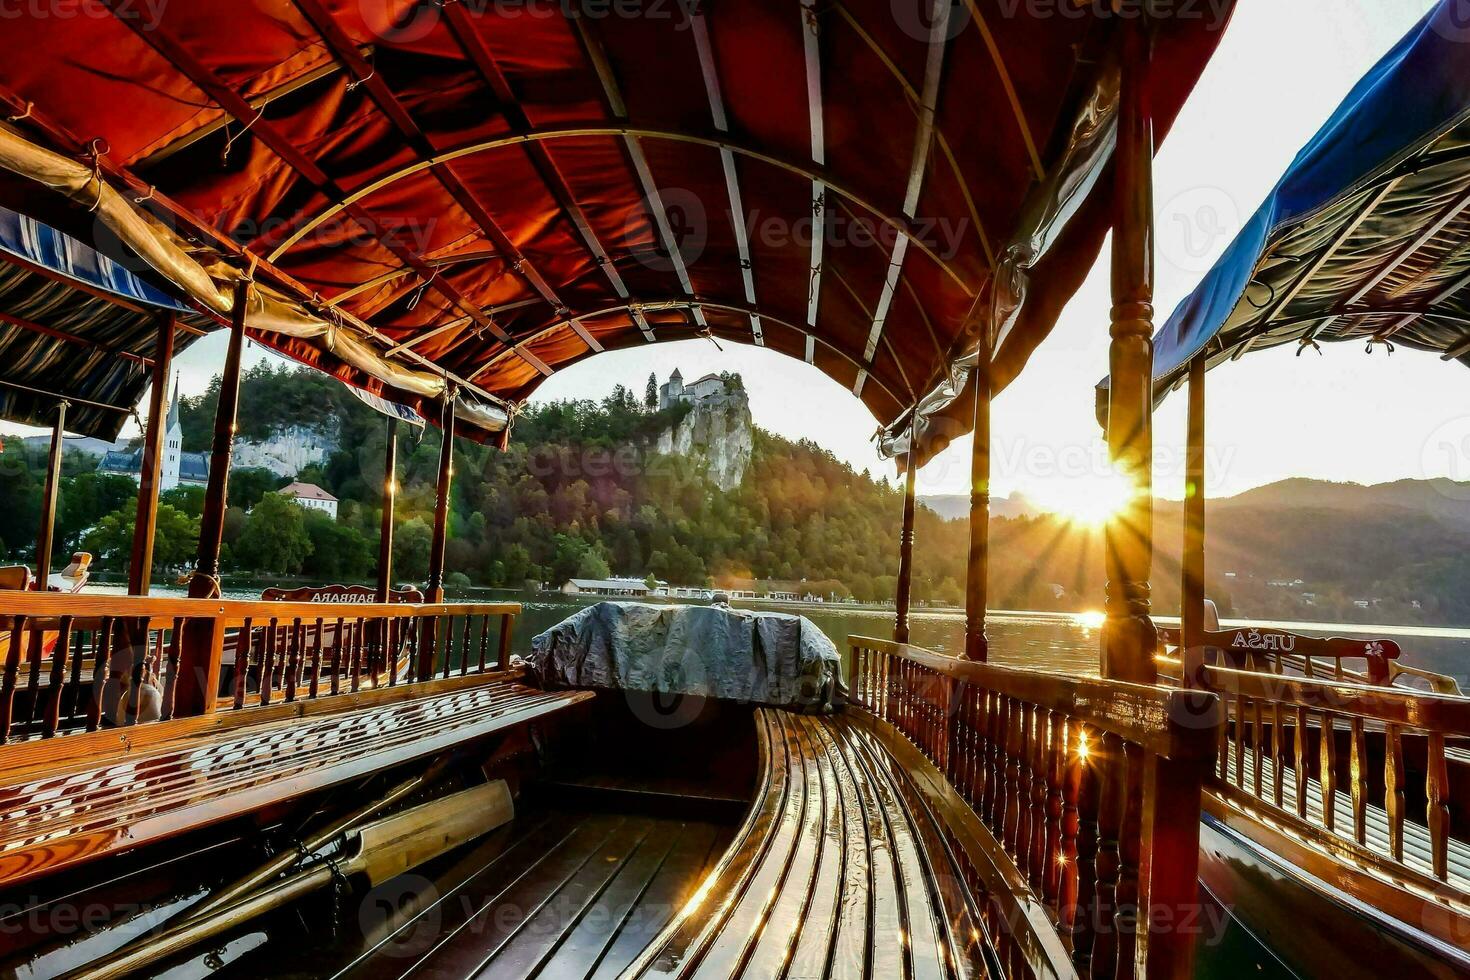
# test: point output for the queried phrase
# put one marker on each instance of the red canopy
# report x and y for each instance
(504, 188)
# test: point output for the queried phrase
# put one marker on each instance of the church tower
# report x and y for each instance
(173, 445)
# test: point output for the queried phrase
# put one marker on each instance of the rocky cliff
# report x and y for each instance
(289, 450)
(718, 432)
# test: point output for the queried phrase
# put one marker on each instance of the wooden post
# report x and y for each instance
(1129, 639)
(202, 641)
(205, 583)
(140, 567)
(441, 507)
(906, 540)
(1168, 872)
(47, 531)
(1192, 562)
(977, 569)
(390, 493)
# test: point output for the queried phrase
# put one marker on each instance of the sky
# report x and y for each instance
(1281, 69)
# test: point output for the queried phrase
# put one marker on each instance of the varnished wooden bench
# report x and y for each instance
(841, 869)
(65, 801)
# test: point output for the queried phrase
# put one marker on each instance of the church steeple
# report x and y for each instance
(173, 409)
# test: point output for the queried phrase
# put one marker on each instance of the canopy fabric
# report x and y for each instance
(1365, 238)
(75, 326)
(499, 191)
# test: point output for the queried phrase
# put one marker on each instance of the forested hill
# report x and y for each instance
(581, 493)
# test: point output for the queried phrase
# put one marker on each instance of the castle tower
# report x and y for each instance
(672, 391)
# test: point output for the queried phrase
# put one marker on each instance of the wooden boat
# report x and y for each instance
(958, 819)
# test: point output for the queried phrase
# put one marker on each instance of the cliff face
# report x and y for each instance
(718, 432)
(289, 450)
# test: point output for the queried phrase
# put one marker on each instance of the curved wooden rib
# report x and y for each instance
(840, 870)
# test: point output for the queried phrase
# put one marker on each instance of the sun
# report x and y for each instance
(1089, 499)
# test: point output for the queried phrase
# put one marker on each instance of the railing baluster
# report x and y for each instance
(1278, 754)
(1015, 718)
(1056, 763)
(101, 666)
(1302, 775)
(12, 668)
(293, 659)
(1393, 789)
(1127, 917)
(484, 640)
(507, 633)
(316, 660)
(1039, 768)
(74, 689)
(350, 654)
(1436, 791)
(1112, 788)
(1328, 770)
(52, 720)
(268, 662)
(1089, 791)
(1257, 728)
(1240, 741)
(1359, 772)
(464, 646)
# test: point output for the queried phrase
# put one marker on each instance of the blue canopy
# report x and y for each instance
(1365, 237)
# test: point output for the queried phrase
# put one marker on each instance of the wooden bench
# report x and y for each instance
(71, 800)
(841, 869)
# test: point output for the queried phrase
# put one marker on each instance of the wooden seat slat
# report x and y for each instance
(124, 798)
(837, 873)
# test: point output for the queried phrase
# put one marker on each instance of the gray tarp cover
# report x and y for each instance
(740, 655)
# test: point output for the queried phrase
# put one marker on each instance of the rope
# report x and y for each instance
(97, 154)
(23, 115)
(1388, 344)
(1306, 342)
(230, 137)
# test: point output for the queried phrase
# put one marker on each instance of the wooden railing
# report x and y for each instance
(1089, 793)
(1369, 775)
(79, 663)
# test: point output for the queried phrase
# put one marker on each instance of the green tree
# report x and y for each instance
(411, 544)
(175, 539)
(248, 485)
(593, 565)
(651, 582)
(338, 551)
(650, 392)
(274, 538)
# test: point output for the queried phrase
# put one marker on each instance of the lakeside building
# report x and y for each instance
(310, 496)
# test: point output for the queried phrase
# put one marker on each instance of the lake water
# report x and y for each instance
(1053, 641)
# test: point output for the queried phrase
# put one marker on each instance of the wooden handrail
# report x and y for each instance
(124, 659)
(1085, 794)
(1446, 714)
(1171, 723)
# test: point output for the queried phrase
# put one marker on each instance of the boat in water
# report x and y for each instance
(442, 205)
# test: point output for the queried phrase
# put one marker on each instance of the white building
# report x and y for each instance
(607, 586)
(310, 496)
(178, 468)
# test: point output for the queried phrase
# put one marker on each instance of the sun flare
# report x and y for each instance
(1090, 499)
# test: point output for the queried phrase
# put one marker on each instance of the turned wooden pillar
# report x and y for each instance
(140, 567)
(390, 494)
(1192, 561)
(1129, 640)
(201, 644)
(205, 583)
(906, 539)
(45, 536)
(977, 569)
(441, 505)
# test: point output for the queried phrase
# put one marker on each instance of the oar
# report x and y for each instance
(381, 850)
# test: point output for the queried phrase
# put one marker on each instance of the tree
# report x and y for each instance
(249, 484)
(650, 392)
(274, 539)
(338, 551)
(651, 582)
(411, 545)
(175, 538)
(593, 565)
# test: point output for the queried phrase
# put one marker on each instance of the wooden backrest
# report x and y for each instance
(339, 593)
(15, 577)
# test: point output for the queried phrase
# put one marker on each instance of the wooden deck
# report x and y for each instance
(75, 799)
(839, 871)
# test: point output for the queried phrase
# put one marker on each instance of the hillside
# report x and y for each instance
(584, 491)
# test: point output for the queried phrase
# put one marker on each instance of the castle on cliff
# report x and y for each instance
(711, 387)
